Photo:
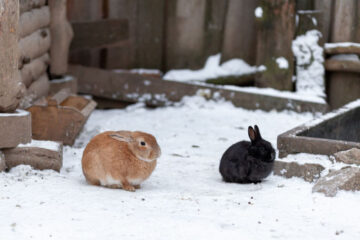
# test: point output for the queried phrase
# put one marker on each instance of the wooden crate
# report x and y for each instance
(60, 117)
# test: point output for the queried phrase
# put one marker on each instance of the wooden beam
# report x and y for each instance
(157, 92)
(345, 48)
(99, 33)
(342, 65)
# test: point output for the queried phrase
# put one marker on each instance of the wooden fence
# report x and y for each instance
(174, 34)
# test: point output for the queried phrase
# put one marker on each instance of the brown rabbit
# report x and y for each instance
(120, 159)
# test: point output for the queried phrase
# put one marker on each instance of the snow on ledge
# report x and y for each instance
(17, 113)
(66, 78)
(342, 44)
(50, 145)
(213, 69)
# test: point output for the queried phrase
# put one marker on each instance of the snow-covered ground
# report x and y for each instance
(185, 197)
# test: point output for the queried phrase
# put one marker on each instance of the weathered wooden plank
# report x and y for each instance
(185, 34)
(215, 15)
(326, 7)
(10, 86)
(342, 49)
(99, 34)
(304, 5)
(343, 87)
(62, 34)
(85, 10)
(239, 38)
(243, 80)
(276, 29)
(344, 21)
(133, 87)
(342, 65)
(150, 34)
(69, 117)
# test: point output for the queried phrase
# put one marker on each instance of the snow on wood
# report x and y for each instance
(342, 48)
(34, 45)
(157, 92)
(213, 69)
(33, 70)
(309, 64)
(38, 154)
(15, 128)
(67, 82)
(33, 20)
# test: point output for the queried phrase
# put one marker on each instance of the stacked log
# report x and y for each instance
(34, 46)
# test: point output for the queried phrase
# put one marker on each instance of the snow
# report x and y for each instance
(213, 69)
(185, 197)
(282, 63)
(18, 113)
(258, 12)
(310, 64)
(50, 145)
(140, 71)
(341, 44)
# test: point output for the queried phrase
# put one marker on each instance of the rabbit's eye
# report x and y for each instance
(142, 143)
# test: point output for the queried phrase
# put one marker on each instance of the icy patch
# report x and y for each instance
(258, 12)
(282, 63)
(310, 64)
(50, 145)
(213, 69)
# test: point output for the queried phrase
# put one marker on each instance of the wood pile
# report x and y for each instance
(34, 45)
(44, 40)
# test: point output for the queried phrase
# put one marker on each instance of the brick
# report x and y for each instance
(38, 154)
(15, 128)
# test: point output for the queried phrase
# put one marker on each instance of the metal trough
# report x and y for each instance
(333, 132)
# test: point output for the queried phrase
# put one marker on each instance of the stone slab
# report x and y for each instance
(308, 171)
(347, 178)
(38, 154)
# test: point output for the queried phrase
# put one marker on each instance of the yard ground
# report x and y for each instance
(185, 197)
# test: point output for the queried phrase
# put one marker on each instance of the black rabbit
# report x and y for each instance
(248, 162)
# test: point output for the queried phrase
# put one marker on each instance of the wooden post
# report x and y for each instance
(150, 34)
(326, 7)
(215, 16)
(185, 34)
(239, 38)
(124, 55)
(344, 87)
(62, 34)
(80, 10)
(11, 89)
(276, 28)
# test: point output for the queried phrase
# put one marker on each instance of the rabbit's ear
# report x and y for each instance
(258, 135)
(252, 134)
(123, 136)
